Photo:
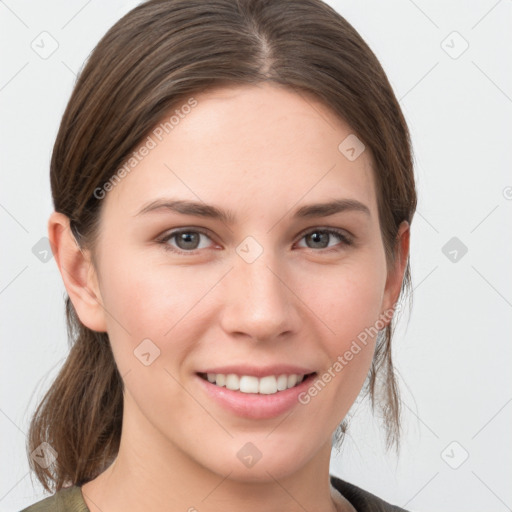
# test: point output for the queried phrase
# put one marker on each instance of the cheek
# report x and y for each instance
(145, 300)
(147, 314)
(148, 300)
(350, 307)
(347, 300)
(154, 302)
(138, 307)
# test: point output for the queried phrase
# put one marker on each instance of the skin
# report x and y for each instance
(262, 152)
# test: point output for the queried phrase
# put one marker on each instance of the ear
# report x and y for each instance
(396, 274)
(78, 273)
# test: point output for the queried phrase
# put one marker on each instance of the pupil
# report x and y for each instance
(187, 238)
(317, 236)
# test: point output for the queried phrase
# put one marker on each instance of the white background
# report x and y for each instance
(453, 353)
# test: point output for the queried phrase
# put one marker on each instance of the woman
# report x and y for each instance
(233, 189)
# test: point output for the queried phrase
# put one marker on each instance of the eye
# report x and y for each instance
(187, 240)
(320, 236)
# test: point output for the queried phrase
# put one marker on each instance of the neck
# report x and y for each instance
(151, 473)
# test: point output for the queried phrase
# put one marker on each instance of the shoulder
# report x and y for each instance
(68, 499)
(363, 501)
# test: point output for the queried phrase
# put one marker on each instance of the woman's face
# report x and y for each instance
(260, 289)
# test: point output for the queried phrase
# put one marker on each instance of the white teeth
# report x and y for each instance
(232, 382)
(282, 382)
(249, 384)
(292, 380)
(267, 385)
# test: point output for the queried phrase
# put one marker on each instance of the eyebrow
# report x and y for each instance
(200, 209)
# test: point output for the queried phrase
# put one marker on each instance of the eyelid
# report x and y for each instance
(346, 238)
(330, 229)
(168, 235)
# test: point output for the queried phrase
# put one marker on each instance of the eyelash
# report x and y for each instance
(338, 233)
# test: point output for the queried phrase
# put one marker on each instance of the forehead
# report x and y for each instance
(248, 148)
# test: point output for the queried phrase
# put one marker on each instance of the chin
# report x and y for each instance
(262, 460)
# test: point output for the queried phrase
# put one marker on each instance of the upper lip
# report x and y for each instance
(259, 371)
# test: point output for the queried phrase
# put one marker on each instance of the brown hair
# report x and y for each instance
(159, 53)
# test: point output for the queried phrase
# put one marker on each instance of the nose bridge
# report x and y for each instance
(261, 304)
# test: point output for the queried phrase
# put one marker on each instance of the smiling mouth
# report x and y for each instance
(268, 385)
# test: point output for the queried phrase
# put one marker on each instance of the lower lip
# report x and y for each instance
(254, 405)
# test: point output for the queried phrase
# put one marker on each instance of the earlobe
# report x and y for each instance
(396, 275)
(78, 273)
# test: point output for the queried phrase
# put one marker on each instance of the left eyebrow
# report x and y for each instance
(199, 209)
(331, 208)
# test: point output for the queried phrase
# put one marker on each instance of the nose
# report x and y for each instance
(259, 303)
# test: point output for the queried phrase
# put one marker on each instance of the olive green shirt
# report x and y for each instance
(70, 499)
